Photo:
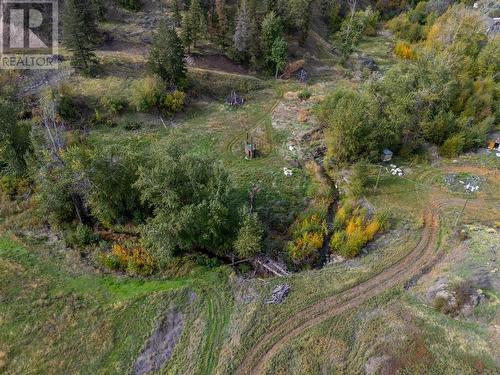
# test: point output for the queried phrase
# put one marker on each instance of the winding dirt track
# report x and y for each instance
(424, 253)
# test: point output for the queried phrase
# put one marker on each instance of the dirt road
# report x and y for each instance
(279, 335)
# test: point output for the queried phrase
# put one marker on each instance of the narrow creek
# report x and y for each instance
(332, 210)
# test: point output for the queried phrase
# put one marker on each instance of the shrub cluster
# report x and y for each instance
(149, 93)
(308, 235)
(414, 24)
(405, 51)
(135, 260)
(353, 229)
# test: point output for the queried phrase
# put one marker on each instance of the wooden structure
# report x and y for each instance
(302, 75)
(250, 149)
(270, 266)
(279, 294)
(234, 99)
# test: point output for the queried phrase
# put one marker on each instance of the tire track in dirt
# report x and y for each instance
(424, 254)
(214, 334)
(230, 145)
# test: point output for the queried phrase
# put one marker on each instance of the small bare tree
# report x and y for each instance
(55, 143)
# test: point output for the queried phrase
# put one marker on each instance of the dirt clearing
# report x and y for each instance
(161, 344)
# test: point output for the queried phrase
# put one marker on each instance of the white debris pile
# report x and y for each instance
(461, 182)
(287, 171)
(471, 188)
(396, 171)
(279, 294)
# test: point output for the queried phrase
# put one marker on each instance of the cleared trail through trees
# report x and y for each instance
(423, 255)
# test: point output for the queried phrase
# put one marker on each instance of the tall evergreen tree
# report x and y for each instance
(272, 29)
(176, 8)
(166, 58)
(80, 34)
(272, 40)
(193, 24)
(222, 24)
(254, 36)
(242, 30)
(279, 54)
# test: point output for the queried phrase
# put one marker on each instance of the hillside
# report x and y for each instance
(254, 187)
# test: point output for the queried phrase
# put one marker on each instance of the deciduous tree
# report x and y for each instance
(190, 199)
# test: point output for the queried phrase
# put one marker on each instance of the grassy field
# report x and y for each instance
(57, 322)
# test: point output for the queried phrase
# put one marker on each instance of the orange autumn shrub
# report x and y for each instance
(121, 255)
(405, 51)
(308, 235)
(372, 229)
(306, 247)
(135, 261)
(353, 230)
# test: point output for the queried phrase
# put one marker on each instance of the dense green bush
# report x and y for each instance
(115, 98)
(438, 128)
(248, 242)
(80, 236)
(414, 24)
(67, 104)
(353, 127)
(14, 139)
(146, 93)
(111, 196)
(453, 146)
(174, 102)
(96, 181)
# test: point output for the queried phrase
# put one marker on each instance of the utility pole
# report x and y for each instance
(461, 212)
(378, 177)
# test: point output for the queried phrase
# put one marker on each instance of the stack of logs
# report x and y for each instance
(279, 294)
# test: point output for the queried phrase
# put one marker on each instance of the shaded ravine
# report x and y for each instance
(423, 255)
(332, 210)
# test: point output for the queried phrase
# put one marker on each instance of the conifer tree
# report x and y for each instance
(242, 30)
(177, 13)
(254, 36)
(278, 54)
(80, 34)
(271, 30)
(222, 25)
(192, 24)
(273, 44)
(166, 58)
